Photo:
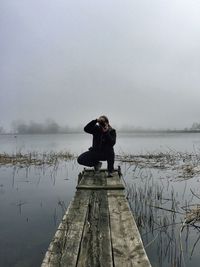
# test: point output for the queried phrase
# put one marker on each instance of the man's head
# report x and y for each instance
(103, 121)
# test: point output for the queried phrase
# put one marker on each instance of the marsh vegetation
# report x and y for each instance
(34, 158)
(162, 189)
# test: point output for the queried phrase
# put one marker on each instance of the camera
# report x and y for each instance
(102, 124)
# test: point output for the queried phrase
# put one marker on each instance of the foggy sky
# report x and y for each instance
(136, 61)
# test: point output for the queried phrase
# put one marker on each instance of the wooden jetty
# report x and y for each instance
(98, 229)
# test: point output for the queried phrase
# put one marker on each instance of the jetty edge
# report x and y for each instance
(98, 228)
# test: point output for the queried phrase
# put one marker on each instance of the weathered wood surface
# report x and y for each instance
(103, 187)
(127, 245)
(96, 246)
(65, 244)
(98, 229)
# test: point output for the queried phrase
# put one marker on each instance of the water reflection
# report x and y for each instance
(32, 203)
(159, 204)
(2, 191)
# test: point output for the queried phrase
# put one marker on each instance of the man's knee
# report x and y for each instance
(80, 160)
(85, 159)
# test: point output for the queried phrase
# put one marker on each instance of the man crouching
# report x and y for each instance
(104, 138)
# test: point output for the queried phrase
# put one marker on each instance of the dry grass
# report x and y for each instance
(186, 165)
(34, 159)
(192, 215)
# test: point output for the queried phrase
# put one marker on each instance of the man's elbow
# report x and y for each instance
(87, 130)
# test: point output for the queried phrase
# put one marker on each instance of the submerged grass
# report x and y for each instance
(167, 215)
(186, 164)
(34, 158)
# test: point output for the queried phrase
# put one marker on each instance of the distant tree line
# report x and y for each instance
(48, 127)
(52, 127)
(195, 126)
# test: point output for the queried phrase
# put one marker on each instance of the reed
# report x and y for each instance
(167, 218)
(34, 158)
(187, 165)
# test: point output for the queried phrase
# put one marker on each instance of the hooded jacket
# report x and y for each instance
(102, 141)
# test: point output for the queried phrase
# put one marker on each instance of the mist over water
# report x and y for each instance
(135, 61)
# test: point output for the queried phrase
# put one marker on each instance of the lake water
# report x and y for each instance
(33, 200)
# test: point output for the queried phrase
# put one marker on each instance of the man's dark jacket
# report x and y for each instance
(102, 141)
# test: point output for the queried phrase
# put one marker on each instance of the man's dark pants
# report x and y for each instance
(91, 158)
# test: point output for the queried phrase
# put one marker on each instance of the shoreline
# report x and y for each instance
(124, 132)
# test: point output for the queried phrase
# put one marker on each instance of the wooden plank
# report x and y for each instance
(101, 170)
(127, 245)
(92, 178)
(96, 243)
(102, 187)
(94, 181)
(64, 248)
(115, 180)
(77, 220)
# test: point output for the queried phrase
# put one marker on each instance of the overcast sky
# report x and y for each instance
(136, 61)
